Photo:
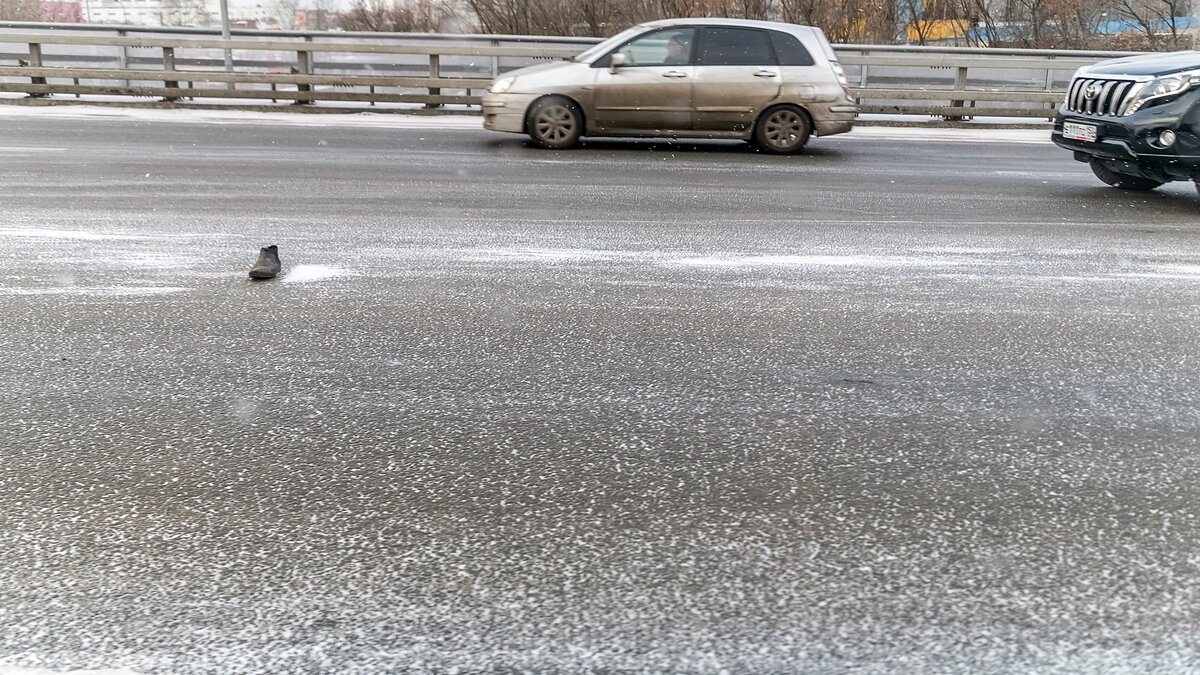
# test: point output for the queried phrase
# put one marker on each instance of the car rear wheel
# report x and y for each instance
(1123, 181)
(555, 123)
(782, 130)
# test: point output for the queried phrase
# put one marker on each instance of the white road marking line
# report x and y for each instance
(4, 149)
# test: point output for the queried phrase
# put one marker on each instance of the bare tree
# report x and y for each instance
(1026, 23)
(871, 21)
(1076, 24)
(183, 13)
(19, 10)
(284, 12)
(1051, 24)
(401, 16)
(804, 11)
(983, 26)
(761, 10)
(323, 14)
(506, 16)
(1158, 21)
(911, 17)
(598, 17)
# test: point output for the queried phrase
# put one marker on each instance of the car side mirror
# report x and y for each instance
(615, 61)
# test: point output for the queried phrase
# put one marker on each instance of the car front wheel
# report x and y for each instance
(555, 123)
(1123, 181)
(782, 130)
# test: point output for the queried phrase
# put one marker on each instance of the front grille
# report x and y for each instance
(1109, 97)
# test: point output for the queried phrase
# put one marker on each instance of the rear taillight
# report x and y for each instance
(841, 76)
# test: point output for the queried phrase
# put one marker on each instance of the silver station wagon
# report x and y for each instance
(773, 84)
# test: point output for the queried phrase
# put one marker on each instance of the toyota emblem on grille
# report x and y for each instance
(1092, 91)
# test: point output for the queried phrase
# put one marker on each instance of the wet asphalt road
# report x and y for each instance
(892, 406)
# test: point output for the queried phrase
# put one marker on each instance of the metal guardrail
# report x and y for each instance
(187, 64)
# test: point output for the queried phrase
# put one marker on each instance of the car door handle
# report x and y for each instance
(674, 73)
(766, 73)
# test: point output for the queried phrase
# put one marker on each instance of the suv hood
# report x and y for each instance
(1148, 64)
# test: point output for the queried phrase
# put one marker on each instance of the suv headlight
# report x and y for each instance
(1161, 87)
(502, 85)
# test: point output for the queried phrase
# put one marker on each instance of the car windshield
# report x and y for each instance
(603, 47)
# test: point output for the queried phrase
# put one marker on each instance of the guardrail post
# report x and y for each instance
(435, 70)
(35, 61)
(123, 57)
(227, 53)
(1050, 87)
(960, 83)
(303, 67)
(168, 59)
(495, 61)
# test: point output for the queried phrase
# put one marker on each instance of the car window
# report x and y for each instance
(788, 49)
(669, 47)
(735, 47)
(603, 47)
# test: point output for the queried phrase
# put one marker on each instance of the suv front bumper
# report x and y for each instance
(1129, 142)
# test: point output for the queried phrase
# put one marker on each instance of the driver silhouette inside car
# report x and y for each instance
(678, 52)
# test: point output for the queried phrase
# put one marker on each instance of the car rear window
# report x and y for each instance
(735, 47)
(788, 50)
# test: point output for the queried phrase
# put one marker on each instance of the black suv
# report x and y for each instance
(1135, 120)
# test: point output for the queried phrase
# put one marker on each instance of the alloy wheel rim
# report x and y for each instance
(783, 129)
(555, 124)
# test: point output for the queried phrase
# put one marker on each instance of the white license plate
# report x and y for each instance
(1079, 132)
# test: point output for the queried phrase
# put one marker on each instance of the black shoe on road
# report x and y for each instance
(268, 263)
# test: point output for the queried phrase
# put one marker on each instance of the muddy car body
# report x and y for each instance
(774, 84)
